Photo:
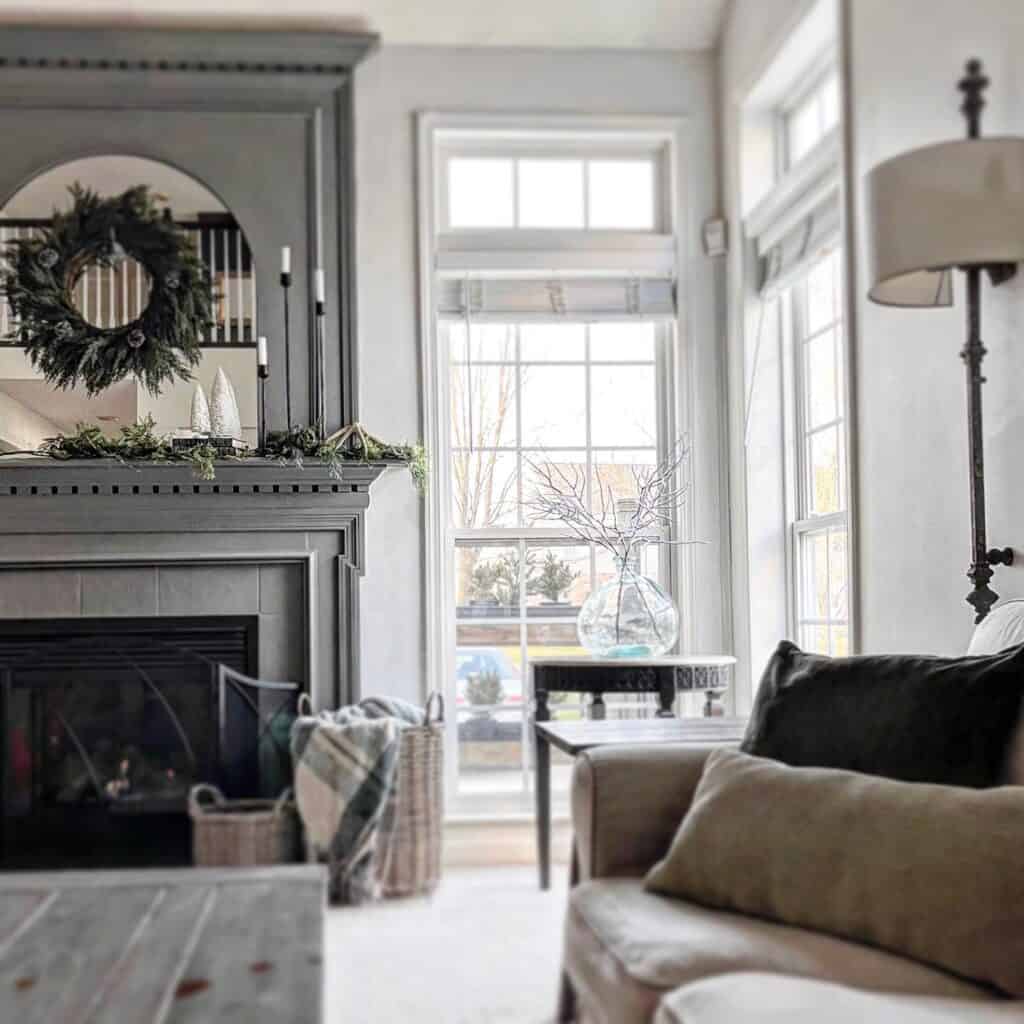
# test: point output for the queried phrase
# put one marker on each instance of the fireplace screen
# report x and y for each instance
(108, 723)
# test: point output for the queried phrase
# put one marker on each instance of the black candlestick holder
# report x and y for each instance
(286, 284)
(263, 374)
(318, 380)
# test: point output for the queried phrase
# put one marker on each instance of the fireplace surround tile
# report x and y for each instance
(208, 590)
(28, 594)
(119, 592)
(280, 590)
(281, 645)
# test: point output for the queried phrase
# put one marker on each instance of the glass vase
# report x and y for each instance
(628, 617)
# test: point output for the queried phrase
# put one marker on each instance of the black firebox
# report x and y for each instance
(105, 724)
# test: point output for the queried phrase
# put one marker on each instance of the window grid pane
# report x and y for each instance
(481, 192)
(820, 408)
(822, 594)
(600, 193)
(813, 117)
(520, 593)
(550, 194)
(821, 552)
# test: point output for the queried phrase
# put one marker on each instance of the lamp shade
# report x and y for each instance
(955, 204)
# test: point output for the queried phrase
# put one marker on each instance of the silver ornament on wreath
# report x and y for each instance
(63, 329)
(48, 258)
(136, 338)
(172, 281)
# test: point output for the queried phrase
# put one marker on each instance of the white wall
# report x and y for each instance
(911, 422)
(21, 429)
(391, 87)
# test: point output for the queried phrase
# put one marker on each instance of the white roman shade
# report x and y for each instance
(523, 299)
(787, 253)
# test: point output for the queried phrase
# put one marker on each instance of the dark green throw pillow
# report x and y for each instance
(917, 718)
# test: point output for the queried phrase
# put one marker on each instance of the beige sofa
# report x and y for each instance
(633, 957)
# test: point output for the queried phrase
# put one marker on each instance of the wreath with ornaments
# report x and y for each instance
(162, 344)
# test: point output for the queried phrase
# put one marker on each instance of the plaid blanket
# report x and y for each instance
(345, 774)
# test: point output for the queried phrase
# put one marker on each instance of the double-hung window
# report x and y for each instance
(796, 232)
(549, 262)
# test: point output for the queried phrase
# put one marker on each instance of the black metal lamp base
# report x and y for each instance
(983, 597)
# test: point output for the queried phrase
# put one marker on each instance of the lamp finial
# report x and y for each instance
(973, 85)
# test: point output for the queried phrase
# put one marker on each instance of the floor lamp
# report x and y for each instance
(953, 206)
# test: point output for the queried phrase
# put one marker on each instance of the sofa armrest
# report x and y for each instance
(627, 803)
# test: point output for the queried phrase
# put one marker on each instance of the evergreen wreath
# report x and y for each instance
(161, 345)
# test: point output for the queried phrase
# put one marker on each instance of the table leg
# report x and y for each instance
(598, 708)
(543, 784)
(666, 698)
(543, 791)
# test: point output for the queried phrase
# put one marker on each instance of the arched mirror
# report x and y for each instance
(128, 287)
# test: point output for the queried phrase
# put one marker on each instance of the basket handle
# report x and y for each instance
(304, 705)
(435, 699)
(195, 804)
(282, 801)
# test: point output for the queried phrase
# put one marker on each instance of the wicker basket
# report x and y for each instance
(240, 833)
(411, 864)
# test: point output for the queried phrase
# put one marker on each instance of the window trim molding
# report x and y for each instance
(679, 395)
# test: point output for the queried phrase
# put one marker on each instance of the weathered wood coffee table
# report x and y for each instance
(574, 737)
(148, 947)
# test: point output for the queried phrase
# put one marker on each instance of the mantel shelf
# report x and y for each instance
(43, 477)
(255, 495)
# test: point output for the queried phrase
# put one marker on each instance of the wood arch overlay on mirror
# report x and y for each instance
(264, 119)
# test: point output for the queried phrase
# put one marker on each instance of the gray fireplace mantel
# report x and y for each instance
(105, 496)
(88, 537)
(265, 120)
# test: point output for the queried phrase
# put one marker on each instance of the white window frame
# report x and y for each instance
(665, 250)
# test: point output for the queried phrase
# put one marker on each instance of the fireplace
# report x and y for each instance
(106, 723)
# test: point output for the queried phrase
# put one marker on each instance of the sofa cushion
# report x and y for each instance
(776, 999)
(625, 948)
(931, 872)
(916, 718)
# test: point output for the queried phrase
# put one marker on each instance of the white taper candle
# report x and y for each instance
(319, 285)
(261, 351)
(286, 259)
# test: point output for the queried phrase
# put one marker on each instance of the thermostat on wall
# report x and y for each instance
(716, 237)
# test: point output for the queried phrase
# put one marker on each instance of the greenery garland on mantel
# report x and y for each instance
(141, 443)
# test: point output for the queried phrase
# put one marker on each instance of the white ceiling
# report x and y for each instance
(629, 24)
